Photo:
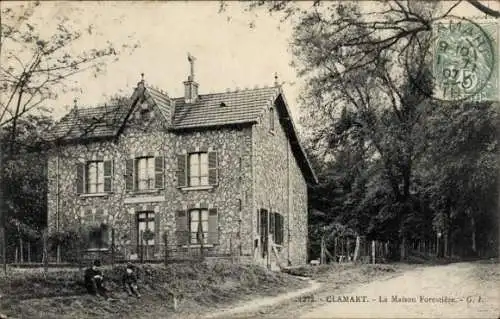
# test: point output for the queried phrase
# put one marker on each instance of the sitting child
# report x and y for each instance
(94, 280)
(130, 281)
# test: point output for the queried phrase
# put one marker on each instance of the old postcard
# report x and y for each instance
(259, 159)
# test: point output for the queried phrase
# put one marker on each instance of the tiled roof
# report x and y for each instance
(103, 121)
(210, 110)
(238, 107)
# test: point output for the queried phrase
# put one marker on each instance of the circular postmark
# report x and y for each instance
(462, 60)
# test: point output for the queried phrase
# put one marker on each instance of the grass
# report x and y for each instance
(196, 286)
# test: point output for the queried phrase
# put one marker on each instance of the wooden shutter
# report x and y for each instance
(157, 232)
(129, 175)
(181, 227)
(159, 172)
(182, 170)
(108, 175)
(212, 168)
(213, 226)
(80, 178)
(279, 229)
(136, 174)
(133, 233)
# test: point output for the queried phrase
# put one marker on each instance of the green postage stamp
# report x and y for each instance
(465, 60)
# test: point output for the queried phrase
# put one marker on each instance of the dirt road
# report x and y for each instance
(463, 290)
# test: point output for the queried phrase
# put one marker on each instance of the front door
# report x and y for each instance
(146, 234)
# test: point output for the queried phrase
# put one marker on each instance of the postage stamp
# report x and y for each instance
(464, 60)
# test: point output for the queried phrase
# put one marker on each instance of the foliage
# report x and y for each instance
(392, 162)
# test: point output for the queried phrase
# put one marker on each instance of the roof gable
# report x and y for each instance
(291, 133)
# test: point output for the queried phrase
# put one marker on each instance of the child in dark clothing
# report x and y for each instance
(94, 280)
(130, 281)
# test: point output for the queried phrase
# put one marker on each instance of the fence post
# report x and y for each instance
(335, 248)
(141, 247)
(201, 247)
(113, 247)
(373, 252)
(165, 244)
(45, 255)
(29, 251)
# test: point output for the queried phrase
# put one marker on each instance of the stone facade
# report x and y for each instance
(281, 189)
(256, 169)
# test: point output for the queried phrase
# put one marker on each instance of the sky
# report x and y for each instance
(229, 53)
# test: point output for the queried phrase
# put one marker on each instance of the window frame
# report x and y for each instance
(150, 217)
(150, 172)
(193, 239)
(200, 176)
(99, 173)
(102, 240)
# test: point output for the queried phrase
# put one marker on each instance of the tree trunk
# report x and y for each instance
(445, 248)
(356, 249)
(373, 252)
(402, 248)
(473, 235)
(21, 250)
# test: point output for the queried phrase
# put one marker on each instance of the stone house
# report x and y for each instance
(224, 170)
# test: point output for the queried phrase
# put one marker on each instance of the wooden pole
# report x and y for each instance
(29, 252)
(373, 252)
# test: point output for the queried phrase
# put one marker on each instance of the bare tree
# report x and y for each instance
(36, 66)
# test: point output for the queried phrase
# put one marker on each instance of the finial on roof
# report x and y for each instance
(74, 102)
(141, 82)
(276, 79)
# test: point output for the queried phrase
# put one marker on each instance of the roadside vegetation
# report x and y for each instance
(196, 287)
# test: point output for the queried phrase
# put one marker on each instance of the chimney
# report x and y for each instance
(190, 86)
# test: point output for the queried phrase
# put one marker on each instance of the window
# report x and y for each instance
(271, 119)
(198, 224)
(275, 222)
(146, 228)
(94, 177)
(144, 173)
(198, 169)
(99, 237)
